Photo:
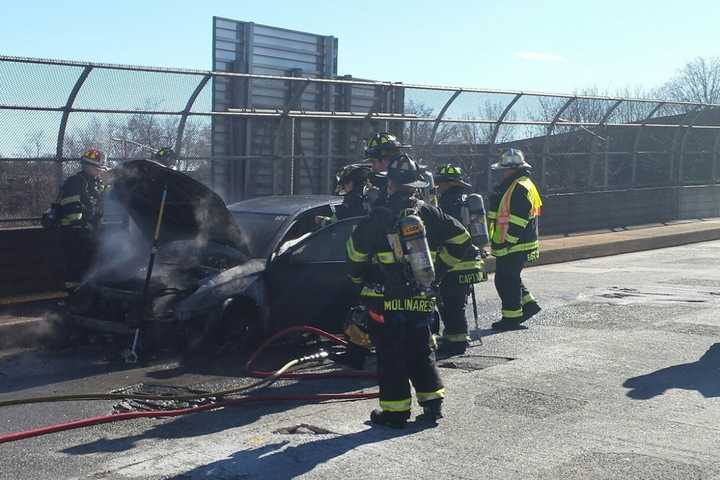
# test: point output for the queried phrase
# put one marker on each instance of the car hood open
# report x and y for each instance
(192, 210)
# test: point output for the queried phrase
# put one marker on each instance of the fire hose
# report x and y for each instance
(267, 379)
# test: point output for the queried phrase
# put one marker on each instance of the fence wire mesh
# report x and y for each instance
(246, 135)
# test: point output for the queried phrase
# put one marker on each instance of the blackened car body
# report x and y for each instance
(245, 270)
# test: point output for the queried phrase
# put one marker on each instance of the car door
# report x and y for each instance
(308, 283)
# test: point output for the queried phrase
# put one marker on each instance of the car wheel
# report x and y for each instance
(240, 324)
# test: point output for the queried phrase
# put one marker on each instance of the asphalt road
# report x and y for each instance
(617, 378)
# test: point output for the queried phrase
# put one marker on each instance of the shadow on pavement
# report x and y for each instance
(701, 376)
(281, 461)
(32, 369)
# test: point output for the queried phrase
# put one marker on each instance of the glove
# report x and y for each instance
(322, 221)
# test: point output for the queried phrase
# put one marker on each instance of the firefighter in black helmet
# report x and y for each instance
(400, 236)
(81, 204)
(351, 182)
(455, 288)
(513, 227)
(381, 149)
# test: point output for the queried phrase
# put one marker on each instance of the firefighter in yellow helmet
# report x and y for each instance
(455, 288)
(81, 204)
(513, 228)
(165, 156)
(381, 149)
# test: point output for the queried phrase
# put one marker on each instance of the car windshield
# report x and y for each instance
(259, 230)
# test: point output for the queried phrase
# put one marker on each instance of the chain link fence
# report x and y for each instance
(293, 142)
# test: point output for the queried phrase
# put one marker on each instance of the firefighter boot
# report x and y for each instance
(530, 309)
(450, 348)
(389, 419)
(508, 324)
(432, 411)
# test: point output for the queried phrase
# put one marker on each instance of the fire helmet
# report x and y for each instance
(383, 144)
(404, 171)
(450, 173)
(358, 174)
(95, 158)
(512, 158)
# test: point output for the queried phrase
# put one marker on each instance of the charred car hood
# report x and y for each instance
(192, 211)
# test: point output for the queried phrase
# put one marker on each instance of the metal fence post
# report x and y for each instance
(683, 143)
(439, 118)
(636, 142)
(606, 159)
(494, 135)
(292, 156)
(59, 148)
(546, 143)
(186, 112)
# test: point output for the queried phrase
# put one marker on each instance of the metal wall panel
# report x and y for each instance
(245, 47)
(320, 146)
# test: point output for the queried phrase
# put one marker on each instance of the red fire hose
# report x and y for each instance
(304, 328)
(118, 417)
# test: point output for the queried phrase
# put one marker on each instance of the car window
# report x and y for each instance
(327, 245)
(302, 227)
(259, 230)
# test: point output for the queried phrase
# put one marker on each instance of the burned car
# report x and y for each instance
(240, 271)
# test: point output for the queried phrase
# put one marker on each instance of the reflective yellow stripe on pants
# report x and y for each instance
(397, 405)
(456, 337)
(423, 397)
(512, 313)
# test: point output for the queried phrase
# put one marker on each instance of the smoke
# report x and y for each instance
(120, 246)
(30, 325)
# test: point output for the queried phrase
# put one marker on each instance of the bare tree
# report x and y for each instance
(697, 81)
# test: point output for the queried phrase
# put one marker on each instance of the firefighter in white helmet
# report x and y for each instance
(512, 217)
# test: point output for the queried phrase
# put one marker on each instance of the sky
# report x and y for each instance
(554, 46)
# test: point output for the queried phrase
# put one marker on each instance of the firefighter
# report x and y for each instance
(81, 203)
(513, 228)
(351, 182)
(455, 288)
(381, 149)
(400, 236)
(165, 156)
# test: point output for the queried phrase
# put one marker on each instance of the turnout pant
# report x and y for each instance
(452, 310)
(404, 355)
(79, 249)
(513, 294)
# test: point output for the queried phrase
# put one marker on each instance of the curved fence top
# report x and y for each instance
(50, 110)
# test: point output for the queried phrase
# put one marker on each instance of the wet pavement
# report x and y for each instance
(617, 378)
